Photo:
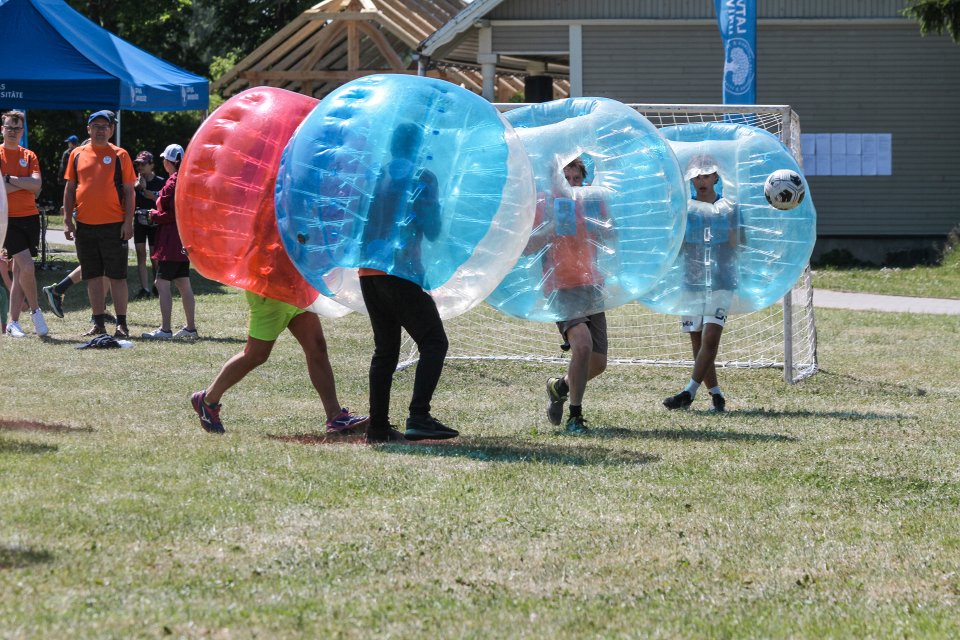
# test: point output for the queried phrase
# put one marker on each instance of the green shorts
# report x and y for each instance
(268, 317)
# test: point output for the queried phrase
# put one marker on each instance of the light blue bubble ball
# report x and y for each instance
(739, 254)
(601, 245)
(412, 176)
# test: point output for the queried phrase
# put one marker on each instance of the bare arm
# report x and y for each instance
(69, 204)
(126, 231)
(31, 183)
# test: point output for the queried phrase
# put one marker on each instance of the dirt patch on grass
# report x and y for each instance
(33, 425)
(347, 438)
(320, 438)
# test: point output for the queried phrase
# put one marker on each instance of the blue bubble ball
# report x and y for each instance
(739, 253)
(411, 176)
(601, 244)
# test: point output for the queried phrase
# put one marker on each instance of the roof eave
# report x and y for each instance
(457, 25)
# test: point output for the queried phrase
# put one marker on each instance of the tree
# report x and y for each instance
(205, 37)
(936, 15)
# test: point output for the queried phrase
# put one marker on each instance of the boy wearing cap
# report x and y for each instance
(710, 271)
(21, 176)
(147, 188)
(100, 179)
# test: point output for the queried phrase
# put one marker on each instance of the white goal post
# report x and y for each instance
(782, 336)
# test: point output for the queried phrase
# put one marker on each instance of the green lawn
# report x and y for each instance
(826, 509)
(930, 282)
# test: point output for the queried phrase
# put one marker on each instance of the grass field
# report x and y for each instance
(825, 509)
(942, 281)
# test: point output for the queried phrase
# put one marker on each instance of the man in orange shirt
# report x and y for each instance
(21, 176)
(100, 179)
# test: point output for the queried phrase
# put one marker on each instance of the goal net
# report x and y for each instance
(781, 336)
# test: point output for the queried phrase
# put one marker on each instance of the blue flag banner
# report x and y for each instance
(737, 20)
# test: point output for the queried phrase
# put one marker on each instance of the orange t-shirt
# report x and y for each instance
(97, 199)
(570, 262)
(23, 164)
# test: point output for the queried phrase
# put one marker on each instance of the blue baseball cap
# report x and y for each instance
(72, 139)
(109, 115)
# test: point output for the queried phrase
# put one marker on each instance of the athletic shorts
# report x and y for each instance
(597, 323)
(23, 233)
(694, 324)
(268, 317)
(101, 252)
(143, 233)
(171, 270)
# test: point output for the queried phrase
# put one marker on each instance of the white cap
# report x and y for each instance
(700, 166)
(173, 153)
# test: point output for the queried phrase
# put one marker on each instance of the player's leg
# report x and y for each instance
(386, 353)
(254, 354)
(308, 331)
(692, 325)
(268, 319)
(705, 368)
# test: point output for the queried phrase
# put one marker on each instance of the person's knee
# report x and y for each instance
(580, 350)
(23, 261)
(254, 357)
(599, 363)
(435, 344)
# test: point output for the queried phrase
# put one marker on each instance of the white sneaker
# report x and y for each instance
(14, 330)
(157, 334)
(186, 334)
(39, 323)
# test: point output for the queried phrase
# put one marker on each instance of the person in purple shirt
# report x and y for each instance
(172, 262)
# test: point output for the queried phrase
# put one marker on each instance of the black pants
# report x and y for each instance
(394, 303)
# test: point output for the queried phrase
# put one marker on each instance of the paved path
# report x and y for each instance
(822, 298)
(825, 299)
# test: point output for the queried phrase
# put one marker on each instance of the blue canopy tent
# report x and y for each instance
(52, 57)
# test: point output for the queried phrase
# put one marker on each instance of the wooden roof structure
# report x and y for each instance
(336, 41)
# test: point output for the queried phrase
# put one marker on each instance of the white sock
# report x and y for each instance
(692, 387)
(715, 391)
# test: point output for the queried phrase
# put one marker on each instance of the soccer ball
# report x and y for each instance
(784, 189)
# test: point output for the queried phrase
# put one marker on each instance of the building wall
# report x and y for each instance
(880, 79)
(687, 9)
(845, 66)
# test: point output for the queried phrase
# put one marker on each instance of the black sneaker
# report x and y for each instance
(428, 428)
(576, 426)
(379, 436)
(55, 300)
(554, 401)
(680, 401)
(719, 402)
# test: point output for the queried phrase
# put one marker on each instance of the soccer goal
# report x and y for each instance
(781, 336)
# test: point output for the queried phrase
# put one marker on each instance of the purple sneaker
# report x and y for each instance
(346, 421)
(209, 413)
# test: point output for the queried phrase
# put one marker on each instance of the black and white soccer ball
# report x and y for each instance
(784, 189)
